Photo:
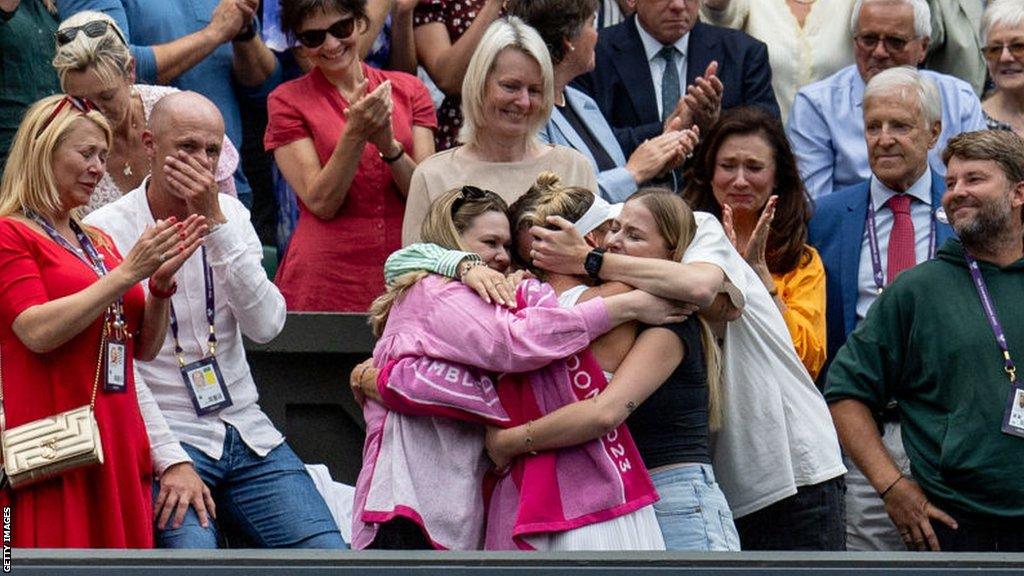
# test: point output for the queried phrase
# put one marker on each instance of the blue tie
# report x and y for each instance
(669, 81)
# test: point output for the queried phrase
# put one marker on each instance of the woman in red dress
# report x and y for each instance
(62, 285)
(347, 138)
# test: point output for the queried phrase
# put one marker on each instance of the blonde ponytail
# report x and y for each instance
(713, 367)
(380, 309)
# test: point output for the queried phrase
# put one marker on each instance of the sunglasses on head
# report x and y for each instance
(994, 52)
(80, 104)
(93, 29)
(468, 193)
(313, 38)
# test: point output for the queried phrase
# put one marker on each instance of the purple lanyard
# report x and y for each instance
(990, 314)
(876, 255)
(211, 341)
(90, 256)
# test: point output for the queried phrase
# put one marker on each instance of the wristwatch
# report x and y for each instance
(593, 262)
(394, 158)
(248, 32)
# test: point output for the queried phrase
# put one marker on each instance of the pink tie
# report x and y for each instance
(901, 239)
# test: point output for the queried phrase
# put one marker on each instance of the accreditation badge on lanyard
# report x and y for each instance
(115, 363)
(114, 367)
(203, 378)
(1013, 415)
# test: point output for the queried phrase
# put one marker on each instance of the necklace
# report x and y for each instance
(127, 171)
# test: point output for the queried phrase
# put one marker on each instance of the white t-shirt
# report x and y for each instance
(776, 431)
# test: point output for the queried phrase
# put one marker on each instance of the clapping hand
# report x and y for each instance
(755, 250)
(358, 383)
(704, 97)
(163, 248)
(368, 118)
(663, 152)
(227, 19)
(248, 9)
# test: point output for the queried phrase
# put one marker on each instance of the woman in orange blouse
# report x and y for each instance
(745, 174)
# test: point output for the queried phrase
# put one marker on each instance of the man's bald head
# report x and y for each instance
(184, 128)
(184, 106)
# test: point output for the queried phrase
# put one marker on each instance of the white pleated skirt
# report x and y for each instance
(635, 531)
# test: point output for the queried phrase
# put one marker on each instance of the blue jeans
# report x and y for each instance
(692, 511)
(268, 502)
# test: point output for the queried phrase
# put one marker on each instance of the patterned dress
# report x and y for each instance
(457, 16)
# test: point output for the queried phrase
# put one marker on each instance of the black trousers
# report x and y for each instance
(978, 535)
(811, 519)
(400, 534)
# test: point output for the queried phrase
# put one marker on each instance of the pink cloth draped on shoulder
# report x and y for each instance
(423, 457)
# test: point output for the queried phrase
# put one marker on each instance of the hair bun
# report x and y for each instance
(548, 181)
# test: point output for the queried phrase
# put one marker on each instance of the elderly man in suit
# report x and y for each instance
(647, 62)
(870, 232)
(826, 125)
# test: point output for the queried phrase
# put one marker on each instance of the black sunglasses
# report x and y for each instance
(468, 193)
(93, 29)
(313, 38)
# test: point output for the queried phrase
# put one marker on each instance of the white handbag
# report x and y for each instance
(48, 446)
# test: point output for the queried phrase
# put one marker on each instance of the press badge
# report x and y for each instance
(1013, 419)
(116, 367)
(206, 386)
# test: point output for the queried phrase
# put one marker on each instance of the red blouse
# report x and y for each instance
(106, 506)
(337, 265)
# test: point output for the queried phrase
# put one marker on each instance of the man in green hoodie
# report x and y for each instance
(942, 340)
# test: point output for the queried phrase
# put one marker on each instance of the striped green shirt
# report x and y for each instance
(422, 256)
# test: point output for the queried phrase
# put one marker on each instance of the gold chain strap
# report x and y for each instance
(95, 382)
(99, 367)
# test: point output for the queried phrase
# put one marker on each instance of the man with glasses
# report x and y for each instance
(826, 124)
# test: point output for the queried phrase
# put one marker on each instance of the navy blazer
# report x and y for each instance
(837, 231)
(622, 86)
